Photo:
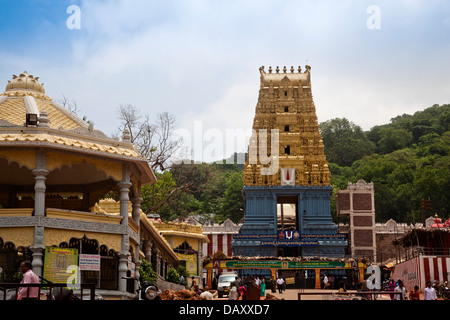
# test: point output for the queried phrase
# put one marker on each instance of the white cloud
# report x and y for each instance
(199, 60)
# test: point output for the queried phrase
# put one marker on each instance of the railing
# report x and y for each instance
(47, 291)
(412, 252)
(369, 295)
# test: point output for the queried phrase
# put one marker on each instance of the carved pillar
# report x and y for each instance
(158, 262)
(37, 250)
(148, 250)
(38, 247)
(199, 262)
(39, 187)
(136, 215)
(124, 189)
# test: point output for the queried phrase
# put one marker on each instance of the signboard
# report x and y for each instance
(60, 264)
(90, 262)
(191, 263)
(275, 264)
(289, 239)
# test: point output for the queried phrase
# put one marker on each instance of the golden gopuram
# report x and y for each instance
(286, 179)
(286, 111)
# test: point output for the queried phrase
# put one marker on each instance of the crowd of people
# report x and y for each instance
(429, 293)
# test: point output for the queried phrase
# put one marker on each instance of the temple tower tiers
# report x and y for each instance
(286, 178)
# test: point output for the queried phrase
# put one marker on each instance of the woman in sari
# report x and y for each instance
(263, 287)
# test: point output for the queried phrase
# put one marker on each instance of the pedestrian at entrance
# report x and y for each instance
(232, 295)
(280, 283)
(273, 284)
(429, 293)
(193, 283)
(325, 281)
(29, 277)
(414, 294)
(392, 286)
(401, 288)
(182, 280)
(263, 287)
(243, 292)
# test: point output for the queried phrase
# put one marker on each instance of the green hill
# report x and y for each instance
(407, 159)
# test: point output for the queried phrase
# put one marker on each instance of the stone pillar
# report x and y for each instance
(148, 250)
(39, 187)
(158, 262)
(199, 262)
(124, 189)
(38, 247)
(136, 215)
(37, 250)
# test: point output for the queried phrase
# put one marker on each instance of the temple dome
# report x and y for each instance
(25, 81)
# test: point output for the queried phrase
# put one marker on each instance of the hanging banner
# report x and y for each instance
(191, 263)
(57, 262)
(289, 239)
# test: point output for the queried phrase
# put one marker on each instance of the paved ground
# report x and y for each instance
(314, 294)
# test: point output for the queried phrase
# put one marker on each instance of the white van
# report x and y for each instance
(224, 283)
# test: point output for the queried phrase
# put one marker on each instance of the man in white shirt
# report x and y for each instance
(429, 293)
(325, 281)
(280, 283)
(400, 288)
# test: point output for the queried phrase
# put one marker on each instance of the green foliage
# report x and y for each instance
(412, 162)
(173, 275)
(344, 141)
(407, 160)
(182, 271)
(146, 272)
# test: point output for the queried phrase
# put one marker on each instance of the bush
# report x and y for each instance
(173, 275)
(146, 272)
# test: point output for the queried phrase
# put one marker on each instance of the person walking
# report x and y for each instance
(392, 286)
(325, 281)
(414, 294)
(401, 288)
(263, 286)
(429, 293)
(280, 283)
(232, 295)
(29, 277)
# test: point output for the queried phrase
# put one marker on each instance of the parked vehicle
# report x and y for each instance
(147, 291)
(224, 283)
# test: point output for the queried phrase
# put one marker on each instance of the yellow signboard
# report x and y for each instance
(191, 263)
(60, 264)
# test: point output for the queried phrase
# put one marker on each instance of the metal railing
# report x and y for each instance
(368, 295)
(46, 291)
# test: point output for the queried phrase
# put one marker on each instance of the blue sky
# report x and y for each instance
(199, 60)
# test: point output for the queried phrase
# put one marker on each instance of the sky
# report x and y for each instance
(199, 60)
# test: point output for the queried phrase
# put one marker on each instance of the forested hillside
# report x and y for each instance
(407, 159)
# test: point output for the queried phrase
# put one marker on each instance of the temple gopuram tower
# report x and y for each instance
(286, 179)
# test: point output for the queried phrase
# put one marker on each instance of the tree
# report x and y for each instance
(146, 272)
(155, 141)
(392, 139)
(233, 205)
(344, 141)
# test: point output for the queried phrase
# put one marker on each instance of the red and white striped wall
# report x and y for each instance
(218, 242)
(419, 270)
